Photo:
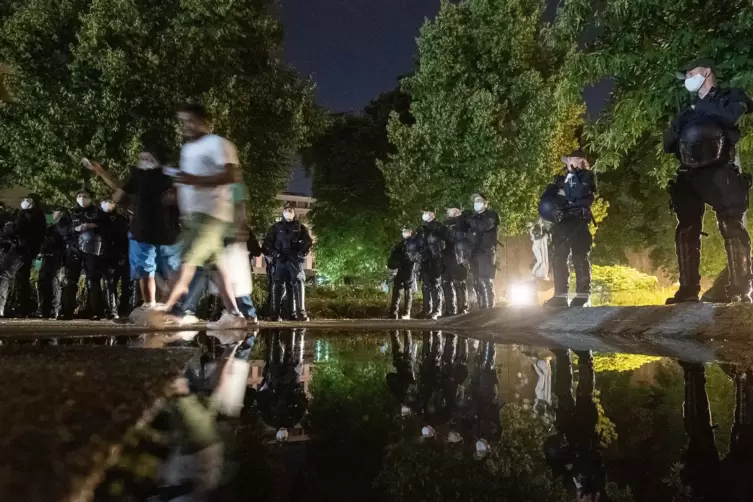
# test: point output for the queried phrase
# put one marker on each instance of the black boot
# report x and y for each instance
(275, 302)
(557, 301)
(582, 282)
(450, 297)
(461, 289)
(436, 300)
(299, 291)
(407, 302)
(68, 299)
(111, 310)
(688, 249)
(4, 290)
(737, 245)
(395, 302)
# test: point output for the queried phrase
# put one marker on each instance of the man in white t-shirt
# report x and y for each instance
(208, 168)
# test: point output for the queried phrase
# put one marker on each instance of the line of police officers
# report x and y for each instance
(445, 255)
(94, 240)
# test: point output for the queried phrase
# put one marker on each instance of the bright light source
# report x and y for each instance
(521, 294)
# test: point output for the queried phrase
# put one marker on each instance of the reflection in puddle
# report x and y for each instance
(410, 416)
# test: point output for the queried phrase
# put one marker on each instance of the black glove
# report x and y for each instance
(559, 214)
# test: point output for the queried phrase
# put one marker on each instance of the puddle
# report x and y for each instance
(414, 416)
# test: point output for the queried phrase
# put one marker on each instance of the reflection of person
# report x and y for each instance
(539, 233)
(574, 452)
(281, 397)
(402, 382)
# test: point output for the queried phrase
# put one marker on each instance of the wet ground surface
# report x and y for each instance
(409, 416)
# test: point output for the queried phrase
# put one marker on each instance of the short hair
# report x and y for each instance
(196, 110)
(151, 142)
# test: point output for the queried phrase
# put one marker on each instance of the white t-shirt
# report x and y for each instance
(207, 156)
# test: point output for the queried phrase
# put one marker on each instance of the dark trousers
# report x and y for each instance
(94, 267)
(455, 287)
(16, 265)
(571, 236)
(431, 285)
(289, 278)
(50, 284)
(118, 275)
(726, 191)
(405, 285)
(484, 269)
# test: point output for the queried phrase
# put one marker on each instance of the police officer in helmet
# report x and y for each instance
(704, 137)
(403, 260)
(483, 229)
(433, 243)
(567, 204)
(456, 263)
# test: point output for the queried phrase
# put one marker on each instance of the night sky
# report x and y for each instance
(356, 49)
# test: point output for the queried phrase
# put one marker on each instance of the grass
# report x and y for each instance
(656, 296)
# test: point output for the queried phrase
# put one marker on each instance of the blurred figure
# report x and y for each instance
(117, 275)
(51, 271)
(21, 239)
(288, 243)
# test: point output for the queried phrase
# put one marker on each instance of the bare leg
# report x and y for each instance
(225, 289)
(187, 272)
(148, 289)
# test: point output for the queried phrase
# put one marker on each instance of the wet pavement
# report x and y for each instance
(393, 415)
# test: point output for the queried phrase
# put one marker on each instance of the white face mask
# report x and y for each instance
(26, 204)
(479, 206)
(426, 217)
(82, 201)
(693, 84)
(107, 206)
(147, 164)
(406, 235)
(288, 216)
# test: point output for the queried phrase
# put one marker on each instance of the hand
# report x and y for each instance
(79, 228)
(186, 179)
(97, 167)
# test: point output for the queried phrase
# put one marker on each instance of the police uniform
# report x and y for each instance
(456, 266)
(288, 243)
(568, 201)
(85, 251)
(51, 275)
(433, 243)
(483, 228)
(703, 137)
(403, 259)
(118, 273)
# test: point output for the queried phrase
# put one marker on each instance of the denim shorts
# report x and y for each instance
(148, 259)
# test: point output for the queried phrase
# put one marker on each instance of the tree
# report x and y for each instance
(352, 218)
(639, 44)
(493, 111)
(90, 77)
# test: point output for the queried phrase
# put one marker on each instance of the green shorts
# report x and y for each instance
(203, 239)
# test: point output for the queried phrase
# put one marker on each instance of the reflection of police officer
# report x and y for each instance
(118, 273)
(85, 251)
(574, 452)
(402, 261)
(482, 419)
(287, 243)
(402, 382)
(456, 263)
(281, 397)
(433, 243)
(567, 204)
(20, 240)
(483, 227)
(703, 137)
(51, 272)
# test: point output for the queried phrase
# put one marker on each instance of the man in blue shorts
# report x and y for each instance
(155, 223)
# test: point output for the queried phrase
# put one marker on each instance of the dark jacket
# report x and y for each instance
(725, 106)
(483, 229)
(287, 241)
(401, 261)
(459, 244)
(115, 230)
(93, 240)
(579, 187)
(433, 237)
(25, 230)
(55, 237)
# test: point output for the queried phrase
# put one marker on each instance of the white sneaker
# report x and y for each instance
(228, 321)
(189, 319)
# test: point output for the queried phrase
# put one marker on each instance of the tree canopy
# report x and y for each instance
(90, 77)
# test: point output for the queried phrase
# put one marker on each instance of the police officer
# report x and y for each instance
(118, 271)
(433, 243)
(704, 137)
(402, 382)
(403, 260)
(483, 226)
(51, 274)
(567, 204)
(21, 239)
(456, 264)
(287, 243)
(85, 250)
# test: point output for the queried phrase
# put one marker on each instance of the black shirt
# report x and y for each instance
(153, 222)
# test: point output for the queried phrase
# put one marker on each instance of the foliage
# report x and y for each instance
(491, 107)
(515, 470)
(621, 362)
(351, 218)
(619, 278)
(90, 77)
(638, 45)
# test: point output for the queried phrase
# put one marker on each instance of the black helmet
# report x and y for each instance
(550, 202)
(702, 143)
